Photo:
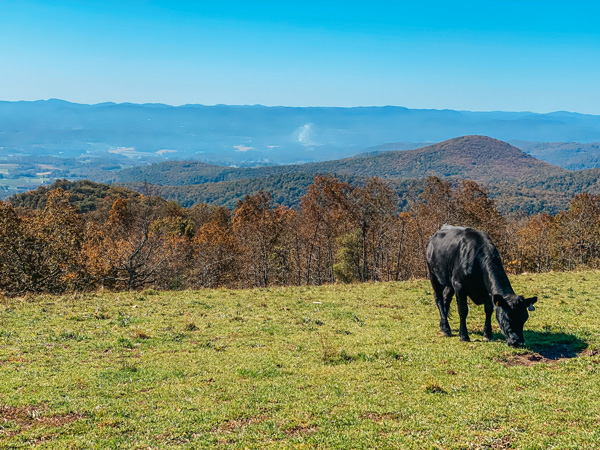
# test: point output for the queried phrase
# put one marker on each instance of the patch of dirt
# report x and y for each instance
(498, 442)
(234, 425)
(524, 359)
(531, 359)
(301, 430)
(27, 417)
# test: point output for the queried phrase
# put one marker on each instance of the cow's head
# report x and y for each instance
(511, 312)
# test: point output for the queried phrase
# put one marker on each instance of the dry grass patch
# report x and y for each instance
(235, 425)
(301, 430)
(31, 416)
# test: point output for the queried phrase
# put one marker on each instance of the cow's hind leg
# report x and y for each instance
(463, 311)
(440, 292)
(448, 294)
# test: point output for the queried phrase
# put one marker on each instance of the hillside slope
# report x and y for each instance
(479, 158)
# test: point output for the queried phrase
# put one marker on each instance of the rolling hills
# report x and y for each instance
(479, 158)
(518, 180)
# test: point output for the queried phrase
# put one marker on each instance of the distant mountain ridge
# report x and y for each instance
(570, 155)
(258, 134)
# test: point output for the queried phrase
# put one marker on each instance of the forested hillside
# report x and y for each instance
(285, 190)
(287, 225)
(85, 195)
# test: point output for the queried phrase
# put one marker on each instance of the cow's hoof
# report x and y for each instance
(487, 338)
(465, 339)
(446, 333)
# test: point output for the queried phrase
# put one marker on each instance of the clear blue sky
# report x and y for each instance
(471, 55)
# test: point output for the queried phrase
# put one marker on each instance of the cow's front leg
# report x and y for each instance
(463, 310)
(487, 328)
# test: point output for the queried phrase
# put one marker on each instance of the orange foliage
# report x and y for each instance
(340, 232)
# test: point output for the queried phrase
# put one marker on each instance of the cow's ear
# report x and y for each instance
(529, 302)
(499, 300)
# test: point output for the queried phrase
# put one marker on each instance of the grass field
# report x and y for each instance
(348, 366)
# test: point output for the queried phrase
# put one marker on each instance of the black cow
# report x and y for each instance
(465, 261)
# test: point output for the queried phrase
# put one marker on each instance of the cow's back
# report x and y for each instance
(454, 254)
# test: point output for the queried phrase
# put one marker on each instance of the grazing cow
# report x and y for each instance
(465, 262)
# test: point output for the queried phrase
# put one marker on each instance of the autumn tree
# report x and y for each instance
(127, 251)
(174, 232)
(578, 231)
(260, 229)
(349, 256)
(40, 251)
(475, 209)
(466, 204)
(60, 228)
(406, 250)
(203, 213)
(534, 245)
(12, 265)
(326, 212)
(216, 257)
(375, 207)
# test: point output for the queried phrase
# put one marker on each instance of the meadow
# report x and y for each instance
(338, 366)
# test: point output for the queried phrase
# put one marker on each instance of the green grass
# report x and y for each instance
(357, 366)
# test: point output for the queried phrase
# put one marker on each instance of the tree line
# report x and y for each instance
(339, 233)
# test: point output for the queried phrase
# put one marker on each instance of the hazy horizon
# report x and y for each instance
(296, 106)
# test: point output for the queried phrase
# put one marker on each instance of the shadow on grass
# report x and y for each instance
(551, 346)
(554, 345)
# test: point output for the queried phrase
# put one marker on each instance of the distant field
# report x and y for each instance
(12, 186)
(347, 366)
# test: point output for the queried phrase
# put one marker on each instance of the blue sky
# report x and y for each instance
(482, 55)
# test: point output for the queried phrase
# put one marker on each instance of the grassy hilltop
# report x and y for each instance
(345, 366)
